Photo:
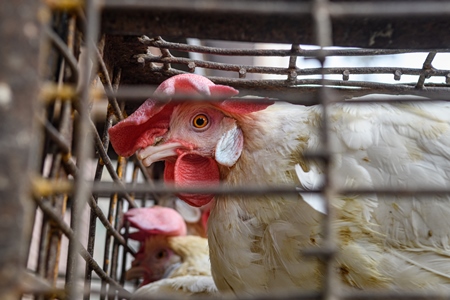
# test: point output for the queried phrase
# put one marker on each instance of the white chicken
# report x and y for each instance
(170, 262)
(256, 242)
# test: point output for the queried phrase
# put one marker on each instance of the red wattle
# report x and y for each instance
(191, 170)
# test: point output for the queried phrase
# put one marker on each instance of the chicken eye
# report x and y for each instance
(161, 254)
(200, 121)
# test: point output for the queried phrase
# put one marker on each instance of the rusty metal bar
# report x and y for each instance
(126, 226)
(161, 43)
(55, 237)
(106, 253)
(427, 70)
(134, 178)
(111, 213)
(286, 71)
(121, 172)
(98, 175)
(43, 245)
(168, 58)
(50, 239)
(292, 67)
(59, 202)
(92, 229)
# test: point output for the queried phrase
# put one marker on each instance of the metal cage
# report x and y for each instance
(71, 69)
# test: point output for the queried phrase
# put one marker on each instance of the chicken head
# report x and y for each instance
(192, 137)
(154, 259)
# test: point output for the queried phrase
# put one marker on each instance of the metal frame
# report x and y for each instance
(122, 65)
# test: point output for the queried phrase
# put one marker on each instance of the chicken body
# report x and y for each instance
(170, 262)
(187, 271)
(384, 241)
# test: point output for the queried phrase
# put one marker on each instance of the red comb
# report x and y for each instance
(156, 220)
(152, 118)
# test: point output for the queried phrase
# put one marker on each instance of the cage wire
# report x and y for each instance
(98, 62)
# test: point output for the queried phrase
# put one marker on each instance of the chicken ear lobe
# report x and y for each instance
(229, 147)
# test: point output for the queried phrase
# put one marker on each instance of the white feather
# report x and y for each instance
(311, 181)
(183, 286)
(385, 241)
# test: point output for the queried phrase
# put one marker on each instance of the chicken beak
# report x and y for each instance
(152, 154)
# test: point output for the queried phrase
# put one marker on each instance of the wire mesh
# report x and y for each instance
(80, 247)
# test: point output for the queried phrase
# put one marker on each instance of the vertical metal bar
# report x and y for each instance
(98, 176)
(323, 37)
(124, 254)
(19, 85)
(106, 254)
(134, 178)
(53, 71)
(42, 254)
(293, 63)
(121, 170)
(427, 67)
(54, 234)
(50, 242)
(54, 249)
(84, 147)
(115, 251)
(108, 240)
(59, 202)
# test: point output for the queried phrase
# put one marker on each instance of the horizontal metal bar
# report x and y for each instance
(287, 71)
(396, 295)
(160, 43)
(255, 7)
(267, 22)
(304, 90)
(363, 9)
(343, 295)
(106, 188)
(321, 251)
(344, 9)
